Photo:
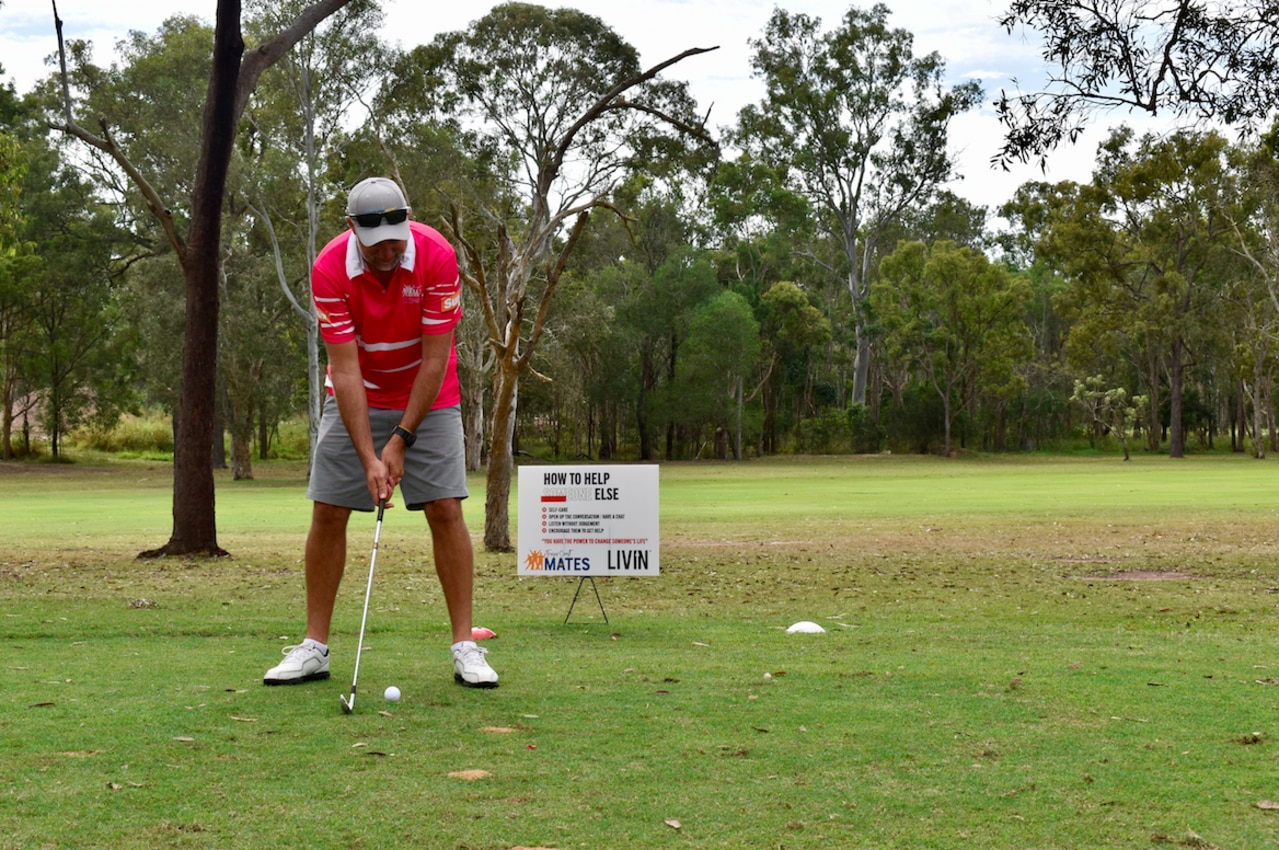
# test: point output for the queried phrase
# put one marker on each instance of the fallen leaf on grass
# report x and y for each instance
(386, 714)
(184, 739)
(80, 754)
(673, 824)
(497, 730)
(1269, 805)
(43, 705)
(245, 719)
(470, 775)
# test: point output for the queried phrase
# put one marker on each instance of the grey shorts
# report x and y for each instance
(434, 467)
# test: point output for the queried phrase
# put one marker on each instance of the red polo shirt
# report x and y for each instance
(388, 322)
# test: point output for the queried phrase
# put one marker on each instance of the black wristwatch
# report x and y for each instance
(406, 435)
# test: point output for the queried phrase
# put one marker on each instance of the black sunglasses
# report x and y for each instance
(373, 219)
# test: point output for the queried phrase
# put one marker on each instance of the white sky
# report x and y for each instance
(965, 32)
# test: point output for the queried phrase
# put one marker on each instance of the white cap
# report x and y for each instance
(377, 195)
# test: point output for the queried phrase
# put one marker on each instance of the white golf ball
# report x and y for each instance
(392, 694)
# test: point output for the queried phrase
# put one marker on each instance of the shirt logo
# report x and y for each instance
(451, 302)
(413, 291)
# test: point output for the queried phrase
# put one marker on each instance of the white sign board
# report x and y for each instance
(597, 520)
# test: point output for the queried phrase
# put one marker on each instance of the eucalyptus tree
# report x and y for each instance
(19, 264)
(659, 311)
(857, 124)
(563, 104)
(1110, 409)
(259, 352)
(1147, 248)
(77, 356)
(793, 332)
(645, 269)
(1050, 379)
(1254, 294)
(1197, 60)
(234, 74)
(956, 319)
(720, 353)
(297, 119)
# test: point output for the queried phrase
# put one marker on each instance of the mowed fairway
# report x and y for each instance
(1019, 653)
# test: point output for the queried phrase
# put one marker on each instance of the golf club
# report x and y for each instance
(349, 705)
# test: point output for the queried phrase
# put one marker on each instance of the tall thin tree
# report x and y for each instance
(232, 80)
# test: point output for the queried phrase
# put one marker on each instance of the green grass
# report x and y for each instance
(992, 674)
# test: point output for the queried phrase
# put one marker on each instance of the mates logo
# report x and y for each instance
(562, 562)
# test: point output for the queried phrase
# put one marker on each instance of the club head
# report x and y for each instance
(347, 707)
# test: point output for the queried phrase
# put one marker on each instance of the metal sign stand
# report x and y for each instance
(583, 580)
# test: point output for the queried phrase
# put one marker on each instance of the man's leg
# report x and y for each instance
(455, 565)
(454, 562)
(325, 564)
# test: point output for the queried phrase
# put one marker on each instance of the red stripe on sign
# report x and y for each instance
(555, 498)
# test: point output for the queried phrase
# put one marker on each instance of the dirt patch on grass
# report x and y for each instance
(1142, 575)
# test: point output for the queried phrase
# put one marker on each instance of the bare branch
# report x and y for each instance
(107, 144)
(266, 55)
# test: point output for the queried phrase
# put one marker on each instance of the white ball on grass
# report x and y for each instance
(392, 694)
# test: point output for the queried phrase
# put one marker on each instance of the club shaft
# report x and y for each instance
(368, 592)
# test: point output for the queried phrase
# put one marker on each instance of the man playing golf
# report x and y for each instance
(388, 296)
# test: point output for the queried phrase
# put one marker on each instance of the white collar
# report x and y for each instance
(355, 265)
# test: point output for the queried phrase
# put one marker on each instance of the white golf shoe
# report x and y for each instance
(302, 663)
(471, 668)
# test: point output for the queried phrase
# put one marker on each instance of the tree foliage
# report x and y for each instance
(1194, 59)
(857, 124)
(955, 318)
(566, 102)
(232, 78)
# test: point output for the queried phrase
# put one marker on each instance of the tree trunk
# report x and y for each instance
(242, 451)
(6, 421)
(1153, 435)
(1238, 418)
(1176, 382)
(741, 414)
(497, 498)
(194, 523)
(315, 394)
(264, 437)
(945, 406)
(473, 410)
(1258, 411)
(861, 367)
(1270, 416)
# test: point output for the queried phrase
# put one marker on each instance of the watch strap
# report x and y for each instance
(406, 435)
